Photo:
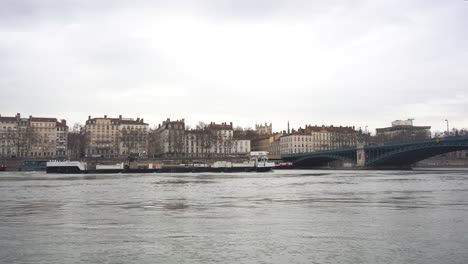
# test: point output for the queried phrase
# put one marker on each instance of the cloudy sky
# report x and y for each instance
(341, 62)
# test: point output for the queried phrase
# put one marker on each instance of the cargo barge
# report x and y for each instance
(257, 163)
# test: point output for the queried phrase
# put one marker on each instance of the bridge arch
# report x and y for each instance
(404, 157)
(320, 159)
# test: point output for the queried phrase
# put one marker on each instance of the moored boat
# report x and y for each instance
(33, 165)
(257, 163)
(55, 166)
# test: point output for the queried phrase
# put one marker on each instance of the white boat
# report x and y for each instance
(55, 166)
(258, 162)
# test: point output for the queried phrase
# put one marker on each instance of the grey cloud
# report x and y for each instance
(312, 62)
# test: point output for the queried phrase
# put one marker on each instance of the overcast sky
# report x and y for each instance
(340, 62)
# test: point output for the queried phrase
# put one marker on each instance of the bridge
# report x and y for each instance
(399, 155)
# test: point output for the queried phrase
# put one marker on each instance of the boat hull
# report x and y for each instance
(76, 170)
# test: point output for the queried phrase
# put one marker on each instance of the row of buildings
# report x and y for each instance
(32, 136)
(123, 137)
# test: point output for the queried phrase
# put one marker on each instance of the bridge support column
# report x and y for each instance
(360, 155)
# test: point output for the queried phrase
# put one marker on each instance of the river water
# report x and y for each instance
(277, 217)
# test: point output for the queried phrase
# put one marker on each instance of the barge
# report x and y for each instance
(257, 163)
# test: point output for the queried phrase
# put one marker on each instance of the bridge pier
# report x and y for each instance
(360, 156)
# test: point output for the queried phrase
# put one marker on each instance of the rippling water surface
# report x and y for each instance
(278, 217)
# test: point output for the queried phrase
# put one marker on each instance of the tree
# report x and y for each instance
(76, 142)
(154, 146)
(177, 142)
(26, 139)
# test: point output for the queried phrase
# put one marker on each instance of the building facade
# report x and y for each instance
(8, 136)
(115, 137)
(168, 139)
(296, 142)
(172, 140)
(332, 137)
(401, 130)
(215, 140)
(269, 143)
(36, 137)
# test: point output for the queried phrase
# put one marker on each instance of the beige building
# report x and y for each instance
(8, 136)
(33, 137)
(215, 140)
(51, 137)
(115, 137)
(168, 139)
(172, 140)
(332, 137)
(269, 143)
(296, 142)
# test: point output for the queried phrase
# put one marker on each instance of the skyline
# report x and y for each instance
(193, 124)
(359, 64)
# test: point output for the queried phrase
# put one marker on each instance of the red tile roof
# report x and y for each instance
(330, 128)
(121, 121)
(8, 118)
(43, 119)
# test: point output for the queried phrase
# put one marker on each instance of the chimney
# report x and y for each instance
(89, 117)
(105, 116)
(141, 120)
(138, 119)
(64, 122)
(120, 117)
(18, 115)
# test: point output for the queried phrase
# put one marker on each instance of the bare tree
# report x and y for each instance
(178, 142)
(154, 146)
(76, 142)
(10, 136)
(27, 137)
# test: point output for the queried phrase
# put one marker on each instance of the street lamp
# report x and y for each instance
(446, 120)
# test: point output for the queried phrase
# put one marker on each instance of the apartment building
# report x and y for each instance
(171, 139)
(8, 136)
(215, 140)
(296, 142)
(168, 139)
(116, 137)
(331, 137)
(401, 130)
(33, 137)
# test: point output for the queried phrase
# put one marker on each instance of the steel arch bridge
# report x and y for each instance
(393, 155)
(320, 158)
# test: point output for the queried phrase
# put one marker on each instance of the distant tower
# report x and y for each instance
(264, 129)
